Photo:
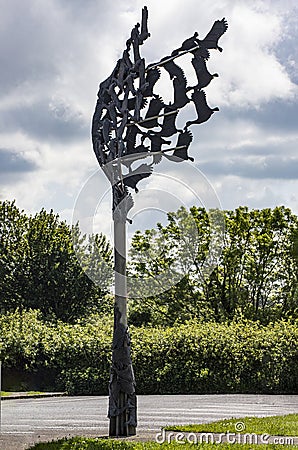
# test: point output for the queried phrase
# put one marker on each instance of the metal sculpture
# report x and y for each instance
(123, 133)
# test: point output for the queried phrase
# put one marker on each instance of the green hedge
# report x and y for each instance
(192, 358)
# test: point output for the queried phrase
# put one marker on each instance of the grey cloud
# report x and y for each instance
(14, 163)
(27, 46)
(278, 115)
(271, 167)
(45, 122)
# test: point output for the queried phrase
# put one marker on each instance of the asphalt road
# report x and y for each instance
(30, 420)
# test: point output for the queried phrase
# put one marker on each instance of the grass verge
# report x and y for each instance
(274, 426)
(8, 394)
(109, 444)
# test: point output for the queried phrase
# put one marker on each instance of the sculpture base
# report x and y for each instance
(118, 424)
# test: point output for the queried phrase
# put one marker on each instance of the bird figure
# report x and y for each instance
(201, 52)
(203, 75)
(188, 44)
(155, 106)
(172, 68)
(180, 154)
(168, 127)
(152, 77)
(131, 137)
(131, 180)
(144, 26)
(211, 39)
(180, 97)
(204, 112)
(138, 152)
(156, 143)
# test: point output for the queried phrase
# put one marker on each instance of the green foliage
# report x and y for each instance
(58, 351)
(211, 357)
(39, 268)
(194, 357)
(272, 426)
(256, 274)
(166, 260)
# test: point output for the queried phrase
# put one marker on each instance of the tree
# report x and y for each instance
(170, 260)
(46, 272)
(13, 247)
(256, 274)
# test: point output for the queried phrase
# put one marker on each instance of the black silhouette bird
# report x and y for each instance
(152, 77)
(138, 152)
(204, 112)
(168, 127)
(180, 97)
(201, 52)
(144, 26)
(203, 75)
(211, 39)
(155, 106)
(131, 137)
(184, 140)
(132, 179)
(156, 143)
(188, 44)
(172, 68)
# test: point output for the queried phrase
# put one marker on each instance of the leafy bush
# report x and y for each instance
(211, 357)
(191, 358)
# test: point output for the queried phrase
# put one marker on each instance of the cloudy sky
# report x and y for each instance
(54, 53)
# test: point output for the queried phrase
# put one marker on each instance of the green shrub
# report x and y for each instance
(191, 358)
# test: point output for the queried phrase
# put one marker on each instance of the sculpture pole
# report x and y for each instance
(122, 134)
(118, 425)
(122, 397)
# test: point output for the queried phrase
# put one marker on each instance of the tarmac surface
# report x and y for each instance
(25, 421)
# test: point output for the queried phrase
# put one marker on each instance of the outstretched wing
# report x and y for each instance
(199, 99)
(183, 142)
(173, 69)
(143, 171)
(184, 139)
(168, 127)
(218, 29)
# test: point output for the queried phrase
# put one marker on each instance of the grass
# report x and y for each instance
(109, 444)
(274, 425)
(7, 394)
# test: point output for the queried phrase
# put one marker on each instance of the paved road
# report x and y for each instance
(30, 420)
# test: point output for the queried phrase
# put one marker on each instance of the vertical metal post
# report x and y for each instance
(120, 422)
